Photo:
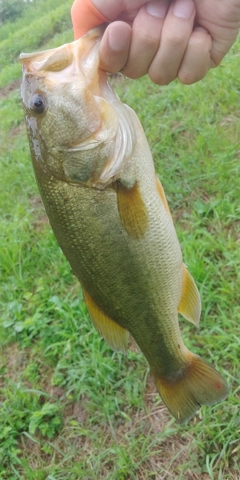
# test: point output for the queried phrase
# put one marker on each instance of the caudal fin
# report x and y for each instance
(195, 385)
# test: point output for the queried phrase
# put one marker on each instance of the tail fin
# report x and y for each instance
(196, 385)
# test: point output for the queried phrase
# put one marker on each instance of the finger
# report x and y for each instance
(85, 16)
(176, 32)
(146, 33)
(114, 8)
(222, 20)
(197, 58)
(114, 46)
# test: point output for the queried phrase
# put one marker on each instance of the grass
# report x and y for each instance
(48, 22)
(70, 407)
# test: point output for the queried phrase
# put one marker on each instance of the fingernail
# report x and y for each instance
(117, 40)
(157, 9)
(183, 8)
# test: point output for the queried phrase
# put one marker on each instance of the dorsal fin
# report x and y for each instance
(190, 304)
(115, 335)
(163, 196)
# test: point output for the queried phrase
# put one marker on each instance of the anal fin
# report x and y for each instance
(115, 335)
(132, 210)
(190, 304)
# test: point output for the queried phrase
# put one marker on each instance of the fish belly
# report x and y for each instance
(136, 282)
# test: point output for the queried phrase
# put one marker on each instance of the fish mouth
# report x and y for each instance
(83, 53)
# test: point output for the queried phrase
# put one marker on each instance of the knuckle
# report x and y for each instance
(158, 78)
(148, 39)
(112, 67)
(112, 63)
(133, 75)
(175, 40)
(135, 70)
(187, 78)
(130, 72)
(199, 43)
(192, 73)
(202, 36)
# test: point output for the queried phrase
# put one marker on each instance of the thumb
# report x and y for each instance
(85, 17)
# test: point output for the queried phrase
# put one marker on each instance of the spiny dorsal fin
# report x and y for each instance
(190, 304)
(163, 196)
(132, 210)
(115, 335)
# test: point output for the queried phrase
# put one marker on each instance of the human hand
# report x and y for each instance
(166, 39)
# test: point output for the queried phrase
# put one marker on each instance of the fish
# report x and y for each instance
(111, 218)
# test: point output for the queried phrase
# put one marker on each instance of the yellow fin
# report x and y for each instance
(132, 210)
(190, 304)
(193, 386)
(163, 196)
(115, 335)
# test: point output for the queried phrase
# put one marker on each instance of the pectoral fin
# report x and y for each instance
(115, 335)
(163, 196)
(132, 210)
(190, 304)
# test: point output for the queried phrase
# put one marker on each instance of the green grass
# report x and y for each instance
(43, 25)
(70, 408)
(32, 11)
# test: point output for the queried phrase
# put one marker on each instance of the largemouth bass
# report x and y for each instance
(111, 218)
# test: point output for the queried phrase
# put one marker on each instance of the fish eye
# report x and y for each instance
(38, 103)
